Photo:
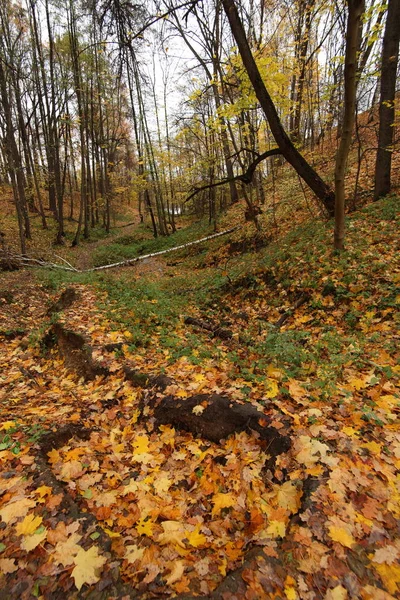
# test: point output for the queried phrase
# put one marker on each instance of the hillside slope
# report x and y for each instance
(99, 500)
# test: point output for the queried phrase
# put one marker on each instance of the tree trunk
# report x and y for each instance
(353, 38)
(288, 150)
(14, 160)
(390, 55)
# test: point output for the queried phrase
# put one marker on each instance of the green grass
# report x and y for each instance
(134, 245)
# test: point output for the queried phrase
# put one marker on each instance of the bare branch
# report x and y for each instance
(245, 177)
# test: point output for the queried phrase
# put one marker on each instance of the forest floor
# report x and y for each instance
(100, 500)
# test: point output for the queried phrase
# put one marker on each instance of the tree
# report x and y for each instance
(286, 146)
(353, 38)
(390, 55)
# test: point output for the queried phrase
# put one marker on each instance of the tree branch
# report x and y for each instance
(245, 177)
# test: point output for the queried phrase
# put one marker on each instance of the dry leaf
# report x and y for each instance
(88, 566)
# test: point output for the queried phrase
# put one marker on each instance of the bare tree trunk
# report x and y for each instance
(353, 38)
(390, 55)
(14, 160)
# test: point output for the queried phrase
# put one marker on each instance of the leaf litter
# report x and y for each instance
(171, 514)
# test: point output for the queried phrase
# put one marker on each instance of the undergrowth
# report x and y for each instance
(348, 295)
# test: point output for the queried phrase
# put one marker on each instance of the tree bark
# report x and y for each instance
(390, 55)
(353, 38)
(288, 150)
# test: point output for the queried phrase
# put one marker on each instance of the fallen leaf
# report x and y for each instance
(221, 501)
(88, 566)
(7, 565)
(341, 535)
(388, 555)
(12, 511)
(176, 572)
(29, 525)
(195, 538)
(30, 542)
(276, 529)
(65, 552)
(174, 533)
(336, 593)
(289, 497)
(133, 553)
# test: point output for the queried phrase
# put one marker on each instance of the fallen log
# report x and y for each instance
(215, 417)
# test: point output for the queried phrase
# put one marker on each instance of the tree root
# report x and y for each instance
(223, 334)
(216, 417)
(76, 351)
(67, 298)
(299, 302)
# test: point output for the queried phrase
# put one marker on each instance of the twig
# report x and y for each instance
(66, 262)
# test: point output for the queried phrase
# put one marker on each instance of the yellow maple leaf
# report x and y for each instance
(356, 383)
(373, 447)
(274, 372)
(29, 525)
(387, 402)
(176, 572)
(42, 491)
(133, 553)
(54, 456)
(141, 444)
(88, 566)
(199, 377)
(30, 542)
(290, 592)
(144, 527)
(111, 534)
(336, 593)
(12, 511)
(222, 566)
(174, 533)
(195, 538)
(74, 454)
(7, 425)
(350, 431)
(276, 529)
(289, 496)
(390, 575)
(221, 501)
(181, 394)
(162, 484)
(273, 389)
(341, 535)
